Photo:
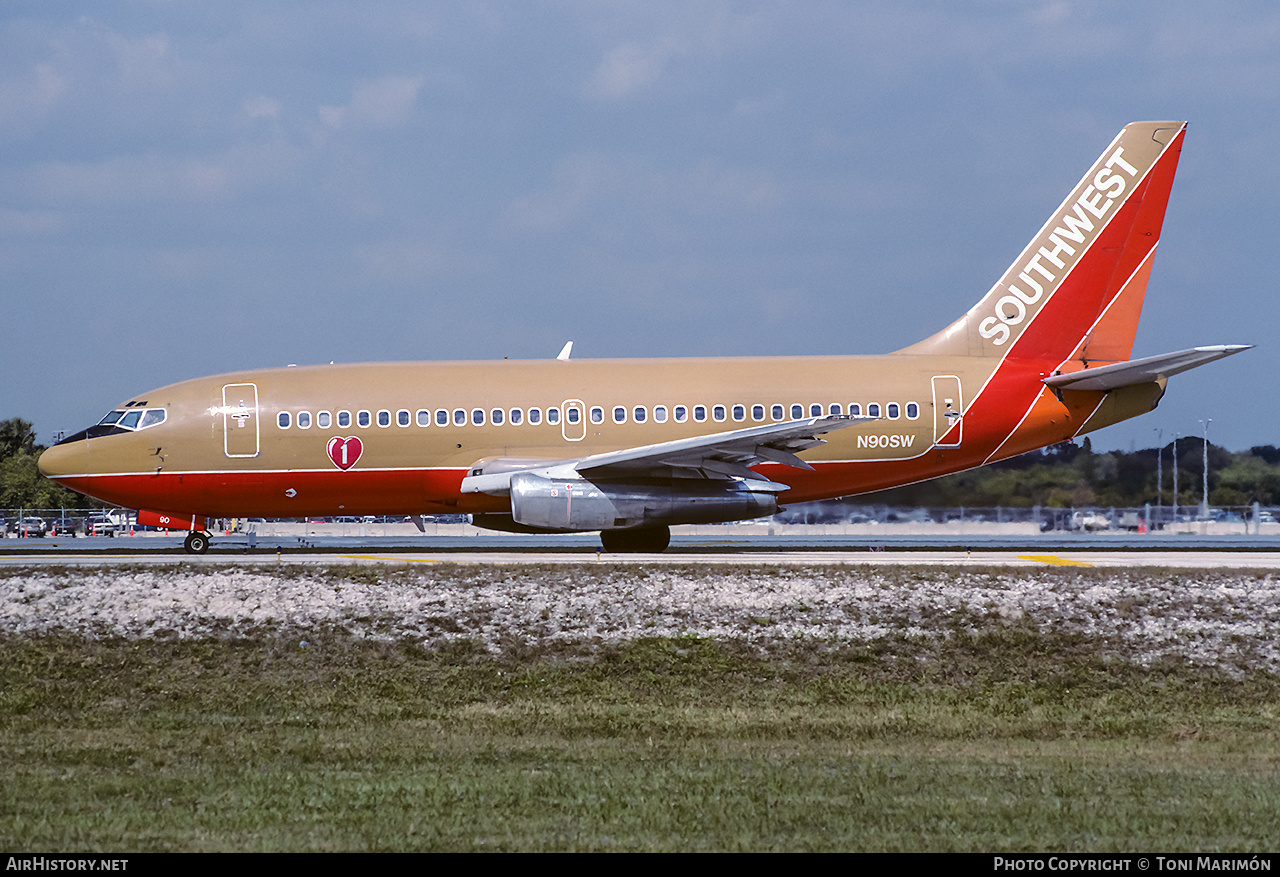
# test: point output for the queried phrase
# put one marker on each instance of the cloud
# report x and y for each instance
(629, 68)
(260, 107)
(156, 178)
(387, 102)
(27, 99)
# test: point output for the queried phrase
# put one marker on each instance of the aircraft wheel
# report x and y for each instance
(196, 543)
(650, 540)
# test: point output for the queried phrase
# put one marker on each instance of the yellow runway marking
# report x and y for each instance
(1053, 561)
(389, 557)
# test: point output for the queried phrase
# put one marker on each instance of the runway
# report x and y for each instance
(1186, 552)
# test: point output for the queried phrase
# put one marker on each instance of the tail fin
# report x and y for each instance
(1076, 291)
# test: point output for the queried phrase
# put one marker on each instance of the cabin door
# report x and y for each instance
(948, 408)
(240, 420)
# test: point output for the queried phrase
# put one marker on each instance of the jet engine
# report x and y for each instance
(540, 504)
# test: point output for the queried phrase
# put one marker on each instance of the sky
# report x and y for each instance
(194, 188)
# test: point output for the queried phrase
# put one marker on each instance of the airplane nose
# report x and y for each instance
(59, 460)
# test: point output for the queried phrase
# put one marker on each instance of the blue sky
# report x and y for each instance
(195, 188)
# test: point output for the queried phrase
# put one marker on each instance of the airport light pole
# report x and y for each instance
(1159, 471)
(1175, 477)
(1204, 493)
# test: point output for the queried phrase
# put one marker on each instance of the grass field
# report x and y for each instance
(1000, 736)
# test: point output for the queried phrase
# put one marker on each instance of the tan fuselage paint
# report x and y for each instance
(183, 465)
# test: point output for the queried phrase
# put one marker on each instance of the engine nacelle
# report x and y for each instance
(567, 504)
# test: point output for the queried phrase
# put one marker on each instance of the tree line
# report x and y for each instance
(21, 484)
(1073, 476)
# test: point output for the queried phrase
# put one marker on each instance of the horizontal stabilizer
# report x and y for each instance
(1141, 371)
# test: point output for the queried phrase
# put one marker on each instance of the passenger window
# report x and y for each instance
(757, 413)
(834, 408)
(384, 418)
(597, 415)
(855, 409)
(364, 418)
(639, 414)
(739, 413)
(477, 417)
(717, 413)
(282, 420)
(681, 413)
(660, 413)
(442, 417)
(535, 416)
(517, 416)
(797, 411)
(496, 416)
(344, 419)
(873, 409)
(459, 417)
(323, 419)
(779, 413)
(553, 415)
(699, 413)
(913, 410)
(892, 410)
(304, 420)
(815, 410)
(573, 415)
(619, 414)
(403, 417)
(424, 417)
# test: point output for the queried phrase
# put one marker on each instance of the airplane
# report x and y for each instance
(632, 447)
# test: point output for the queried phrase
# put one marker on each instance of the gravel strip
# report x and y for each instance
(1230, 619)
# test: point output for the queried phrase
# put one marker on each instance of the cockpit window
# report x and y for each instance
(134, 418)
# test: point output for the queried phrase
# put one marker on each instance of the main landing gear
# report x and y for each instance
(649, 540)
(196, 542)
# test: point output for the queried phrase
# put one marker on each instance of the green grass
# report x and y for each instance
(1005, 741)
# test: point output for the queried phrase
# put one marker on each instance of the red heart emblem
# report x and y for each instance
(345, 451)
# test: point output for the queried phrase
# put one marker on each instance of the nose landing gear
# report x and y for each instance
(196, 542)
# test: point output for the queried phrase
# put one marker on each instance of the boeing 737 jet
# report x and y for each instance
(632, 447)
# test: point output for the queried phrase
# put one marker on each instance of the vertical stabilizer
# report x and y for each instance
(1077, 288)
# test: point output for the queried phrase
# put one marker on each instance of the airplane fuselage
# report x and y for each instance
(399, 437)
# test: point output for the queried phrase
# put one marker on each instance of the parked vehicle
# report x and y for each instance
(27, 528)
(64, 526)
(108, 523)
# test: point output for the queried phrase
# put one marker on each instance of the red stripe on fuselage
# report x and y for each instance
(266, 494)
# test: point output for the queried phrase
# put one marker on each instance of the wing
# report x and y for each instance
(719, 455)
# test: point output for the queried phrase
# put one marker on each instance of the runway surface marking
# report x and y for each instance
(1053, 561)
(388, 557)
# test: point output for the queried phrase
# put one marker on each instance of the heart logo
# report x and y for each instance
(345, 451)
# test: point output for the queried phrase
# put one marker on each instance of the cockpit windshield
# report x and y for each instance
(134, 418)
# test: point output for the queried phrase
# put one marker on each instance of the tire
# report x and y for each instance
(649, 540)
(196, 543)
